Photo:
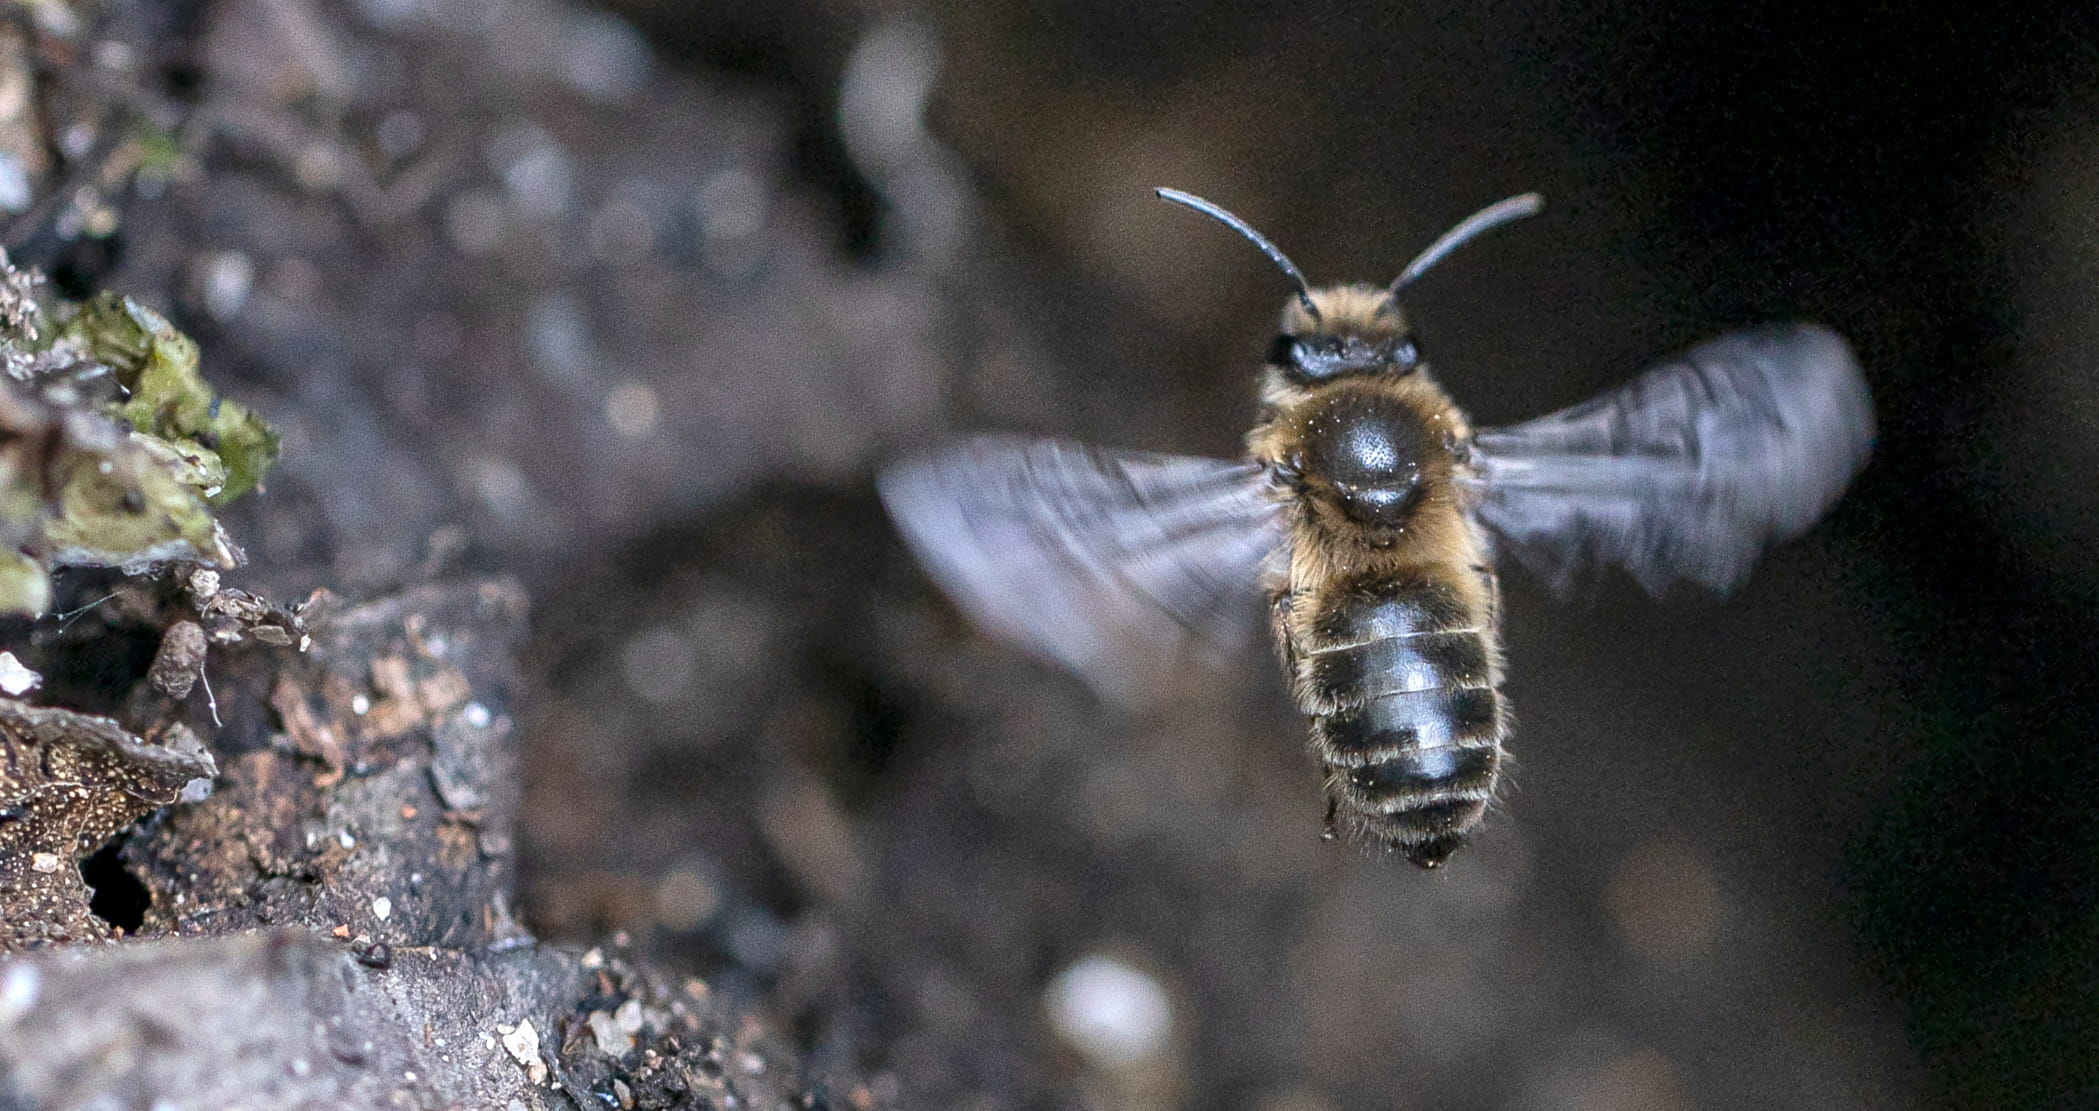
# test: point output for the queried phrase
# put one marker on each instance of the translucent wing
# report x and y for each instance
(1114, 563)
(1689, 472)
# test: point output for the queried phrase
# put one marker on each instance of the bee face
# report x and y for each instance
(1357, 330)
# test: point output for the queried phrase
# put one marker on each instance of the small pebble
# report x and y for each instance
(522, 1043)
(15, 192)
(16, 679)
(18, 991)
(1114, 1014)
(632, 410)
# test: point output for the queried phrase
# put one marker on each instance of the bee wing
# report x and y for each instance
(1114, 563)
(1691, 470)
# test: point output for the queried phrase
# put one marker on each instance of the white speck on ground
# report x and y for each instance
(16, 679)
(1113, 1013)
(522, 1043)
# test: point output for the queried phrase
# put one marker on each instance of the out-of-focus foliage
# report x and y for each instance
(113, 451)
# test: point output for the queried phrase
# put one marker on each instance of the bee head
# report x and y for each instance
(1342, 331)
(1347, 330)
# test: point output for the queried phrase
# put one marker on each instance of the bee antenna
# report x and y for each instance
(1274, 253)
(1479, 223)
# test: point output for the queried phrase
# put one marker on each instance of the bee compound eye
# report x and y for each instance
(1311, 359)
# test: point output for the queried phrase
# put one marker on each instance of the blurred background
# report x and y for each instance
(632, 301)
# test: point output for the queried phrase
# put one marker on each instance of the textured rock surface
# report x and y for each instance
(68, 783)
(287, 1019)
(333, 922)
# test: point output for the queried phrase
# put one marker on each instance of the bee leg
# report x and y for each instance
(1330, 831)
(1289, 472)
(1279, 624)
(1493, 585)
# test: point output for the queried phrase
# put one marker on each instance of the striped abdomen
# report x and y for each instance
(1399, 673)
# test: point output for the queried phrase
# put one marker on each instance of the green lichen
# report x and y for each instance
(128, 512)
(25, 587)
(228, 447)
(92, 475)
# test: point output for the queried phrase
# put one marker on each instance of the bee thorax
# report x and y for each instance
(1365, 452)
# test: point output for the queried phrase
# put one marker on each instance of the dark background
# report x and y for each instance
(1825, 844)
(1884, 742)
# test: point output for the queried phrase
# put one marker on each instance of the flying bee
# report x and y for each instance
(1369, 510)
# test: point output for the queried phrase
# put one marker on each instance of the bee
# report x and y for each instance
(1368, 511)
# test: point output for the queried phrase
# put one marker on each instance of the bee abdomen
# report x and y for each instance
(1414, 769)
(1405, 715)
(1392, 726)
(1352, 675)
